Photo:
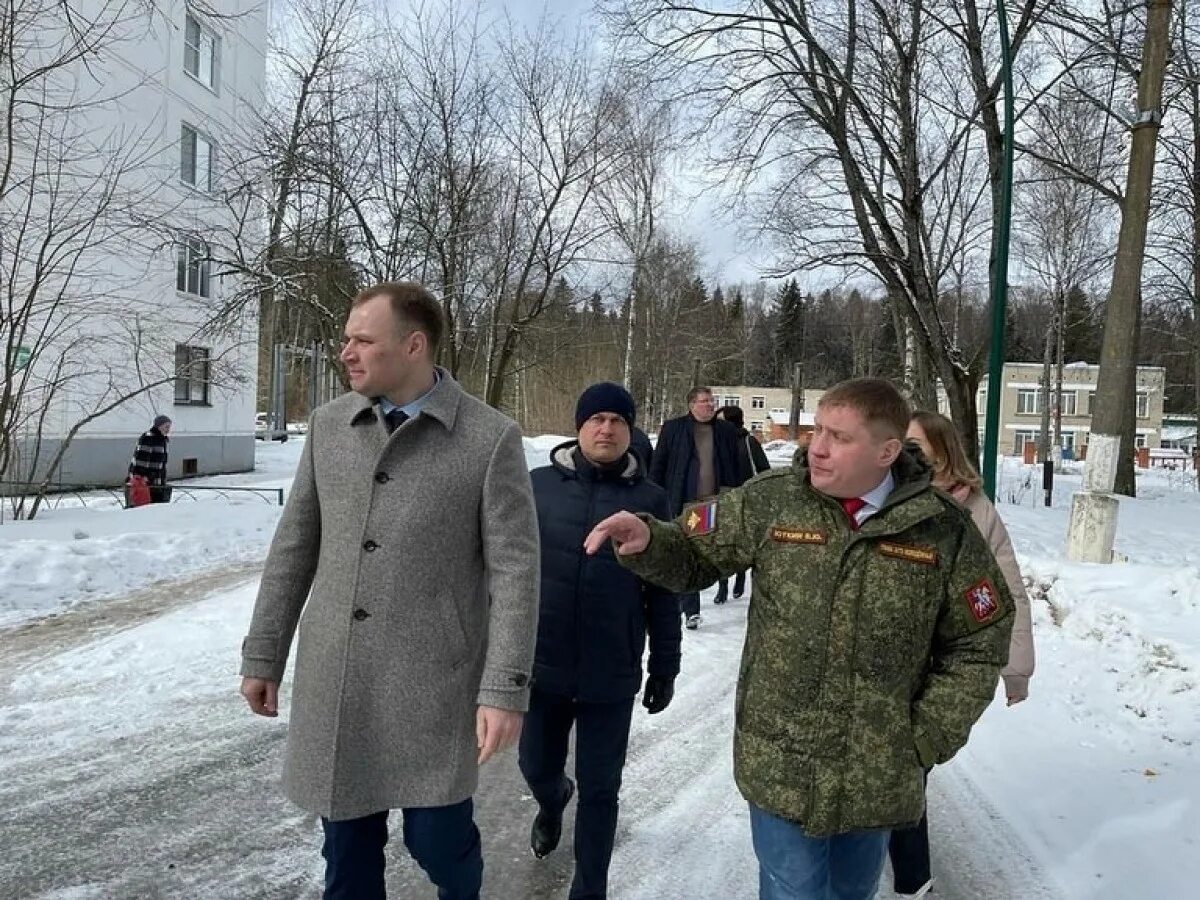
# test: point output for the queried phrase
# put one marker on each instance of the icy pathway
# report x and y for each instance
(129, 768)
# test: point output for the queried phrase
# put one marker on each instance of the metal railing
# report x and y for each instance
(56, 493)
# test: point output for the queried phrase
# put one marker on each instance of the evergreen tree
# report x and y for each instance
(789, 324)
(1083, 333)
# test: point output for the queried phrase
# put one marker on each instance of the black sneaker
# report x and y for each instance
(693, 622)
(547, 827)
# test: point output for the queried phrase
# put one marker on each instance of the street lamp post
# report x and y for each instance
(1000, 240)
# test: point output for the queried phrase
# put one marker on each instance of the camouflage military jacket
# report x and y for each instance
(869, 654)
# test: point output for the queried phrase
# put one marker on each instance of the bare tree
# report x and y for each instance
(1060, 230)
(632, 201)
(858, 109)
(556, 123)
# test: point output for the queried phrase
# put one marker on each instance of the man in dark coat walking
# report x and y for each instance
(753, 461)
(592, 628)
(150, 461)
(696, 457)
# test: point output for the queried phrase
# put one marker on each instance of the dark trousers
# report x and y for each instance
(908, 849)
(739, 586)
(601, 738)
(442, 839)
(689, 604)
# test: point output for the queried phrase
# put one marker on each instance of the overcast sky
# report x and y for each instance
(727, 255)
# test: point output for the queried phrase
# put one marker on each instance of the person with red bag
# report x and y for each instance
(147, 479)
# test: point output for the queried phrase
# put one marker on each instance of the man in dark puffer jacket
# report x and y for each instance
(592, 628)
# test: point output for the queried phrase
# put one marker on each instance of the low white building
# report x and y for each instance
(146, 119)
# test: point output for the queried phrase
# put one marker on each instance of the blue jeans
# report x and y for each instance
(442, 839)
(794, 866)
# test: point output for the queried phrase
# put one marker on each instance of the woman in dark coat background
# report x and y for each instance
(753, 461)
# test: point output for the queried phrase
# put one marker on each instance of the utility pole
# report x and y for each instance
(1094, 512)
(797, 400)
(798, 373)
(999, 287)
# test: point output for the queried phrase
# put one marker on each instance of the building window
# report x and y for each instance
(1143, 405)
(756, 426)
(192, 375)
(1091, 403)
(197, 159)
(1139, 441)
(201, 53)
(193, 268)
(732, 400)
(1023, 438)
(1069, 403)
(1027, 402)
(1067, 440)
(758, 402)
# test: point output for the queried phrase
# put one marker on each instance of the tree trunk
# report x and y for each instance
(1043, 442)
(630, 322)
(1118, 360)
(1060, 352)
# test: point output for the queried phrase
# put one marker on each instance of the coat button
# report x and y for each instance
(370, 546)
(519, 679)
(382, 477)
(361, 614)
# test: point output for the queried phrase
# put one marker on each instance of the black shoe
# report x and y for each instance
(738, 595)
(547, 827)
(722, 596)
(693, 622)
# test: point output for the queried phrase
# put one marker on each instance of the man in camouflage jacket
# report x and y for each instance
(876, 634)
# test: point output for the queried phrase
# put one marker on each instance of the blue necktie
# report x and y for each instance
(395, 419)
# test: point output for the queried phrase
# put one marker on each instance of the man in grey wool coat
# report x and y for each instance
(409, 542)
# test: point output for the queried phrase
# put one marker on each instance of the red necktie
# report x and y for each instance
(852, 505)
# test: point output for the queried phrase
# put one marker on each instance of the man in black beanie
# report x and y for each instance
(592, 629)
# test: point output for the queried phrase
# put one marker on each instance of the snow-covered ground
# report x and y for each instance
(1088, 790)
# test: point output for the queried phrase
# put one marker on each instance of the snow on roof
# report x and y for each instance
(785, 418)
(1178, 432)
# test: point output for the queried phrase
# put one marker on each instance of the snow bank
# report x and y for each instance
(82, 549)
(87, 548)
(1098, 769)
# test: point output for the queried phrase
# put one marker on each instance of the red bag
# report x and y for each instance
(139, 491)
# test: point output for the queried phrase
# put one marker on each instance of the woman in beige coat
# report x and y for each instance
(954, 474)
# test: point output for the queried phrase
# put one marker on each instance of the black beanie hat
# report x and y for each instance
(606, 396)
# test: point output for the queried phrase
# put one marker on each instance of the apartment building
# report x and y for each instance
(767, 409)
(169, 85)
(1022, 402)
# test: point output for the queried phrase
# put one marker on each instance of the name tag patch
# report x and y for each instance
(798, 535)
(925, 555)
(700, 520)
(982, 600)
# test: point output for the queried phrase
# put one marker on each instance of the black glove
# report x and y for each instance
(658, 693)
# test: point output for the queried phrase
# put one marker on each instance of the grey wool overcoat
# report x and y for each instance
(410, 564)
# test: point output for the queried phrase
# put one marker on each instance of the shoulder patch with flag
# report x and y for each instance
(700, 519)
(982, 600)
